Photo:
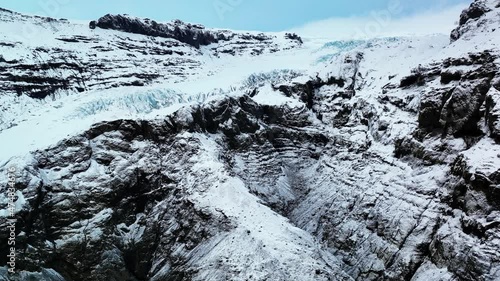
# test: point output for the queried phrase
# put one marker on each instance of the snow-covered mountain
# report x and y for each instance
(168, 151)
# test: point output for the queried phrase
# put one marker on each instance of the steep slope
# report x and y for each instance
(378, 161)
(45, 58)
(70, 76)
(51, 55)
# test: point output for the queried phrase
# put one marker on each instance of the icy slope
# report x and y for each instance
(369, 160)
(51, 56)
(86, 76)
(43, 58)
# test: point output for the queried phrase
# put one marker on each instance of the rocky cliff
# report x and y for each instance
(380, 162)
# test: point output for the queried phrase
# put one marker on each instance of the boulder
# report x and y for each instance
(93, 24)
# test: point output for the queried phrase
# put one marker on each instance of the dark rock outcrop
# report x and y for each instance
(448, 76)
(460, 112)
(456, 109)
(194, 35)
(474, 12)
(419, 76)
(294, 36)
(306, 91)
(492, 113)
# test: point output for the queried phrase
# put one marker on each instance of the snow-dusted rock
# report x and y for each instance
(482, 15)
(377, 160)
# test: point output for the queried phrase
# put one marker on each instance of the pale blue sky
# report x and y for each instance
(264, 15)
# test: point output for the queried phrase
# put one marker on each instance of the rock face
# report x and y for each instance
(456, 108)
(476, 10)
(95, 58)
(476, 16)
(352, 172)
(492, 112)
(194, 35)
(146, 224)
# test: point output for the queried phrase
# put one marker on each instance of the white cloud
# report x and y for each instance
(384, 23)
